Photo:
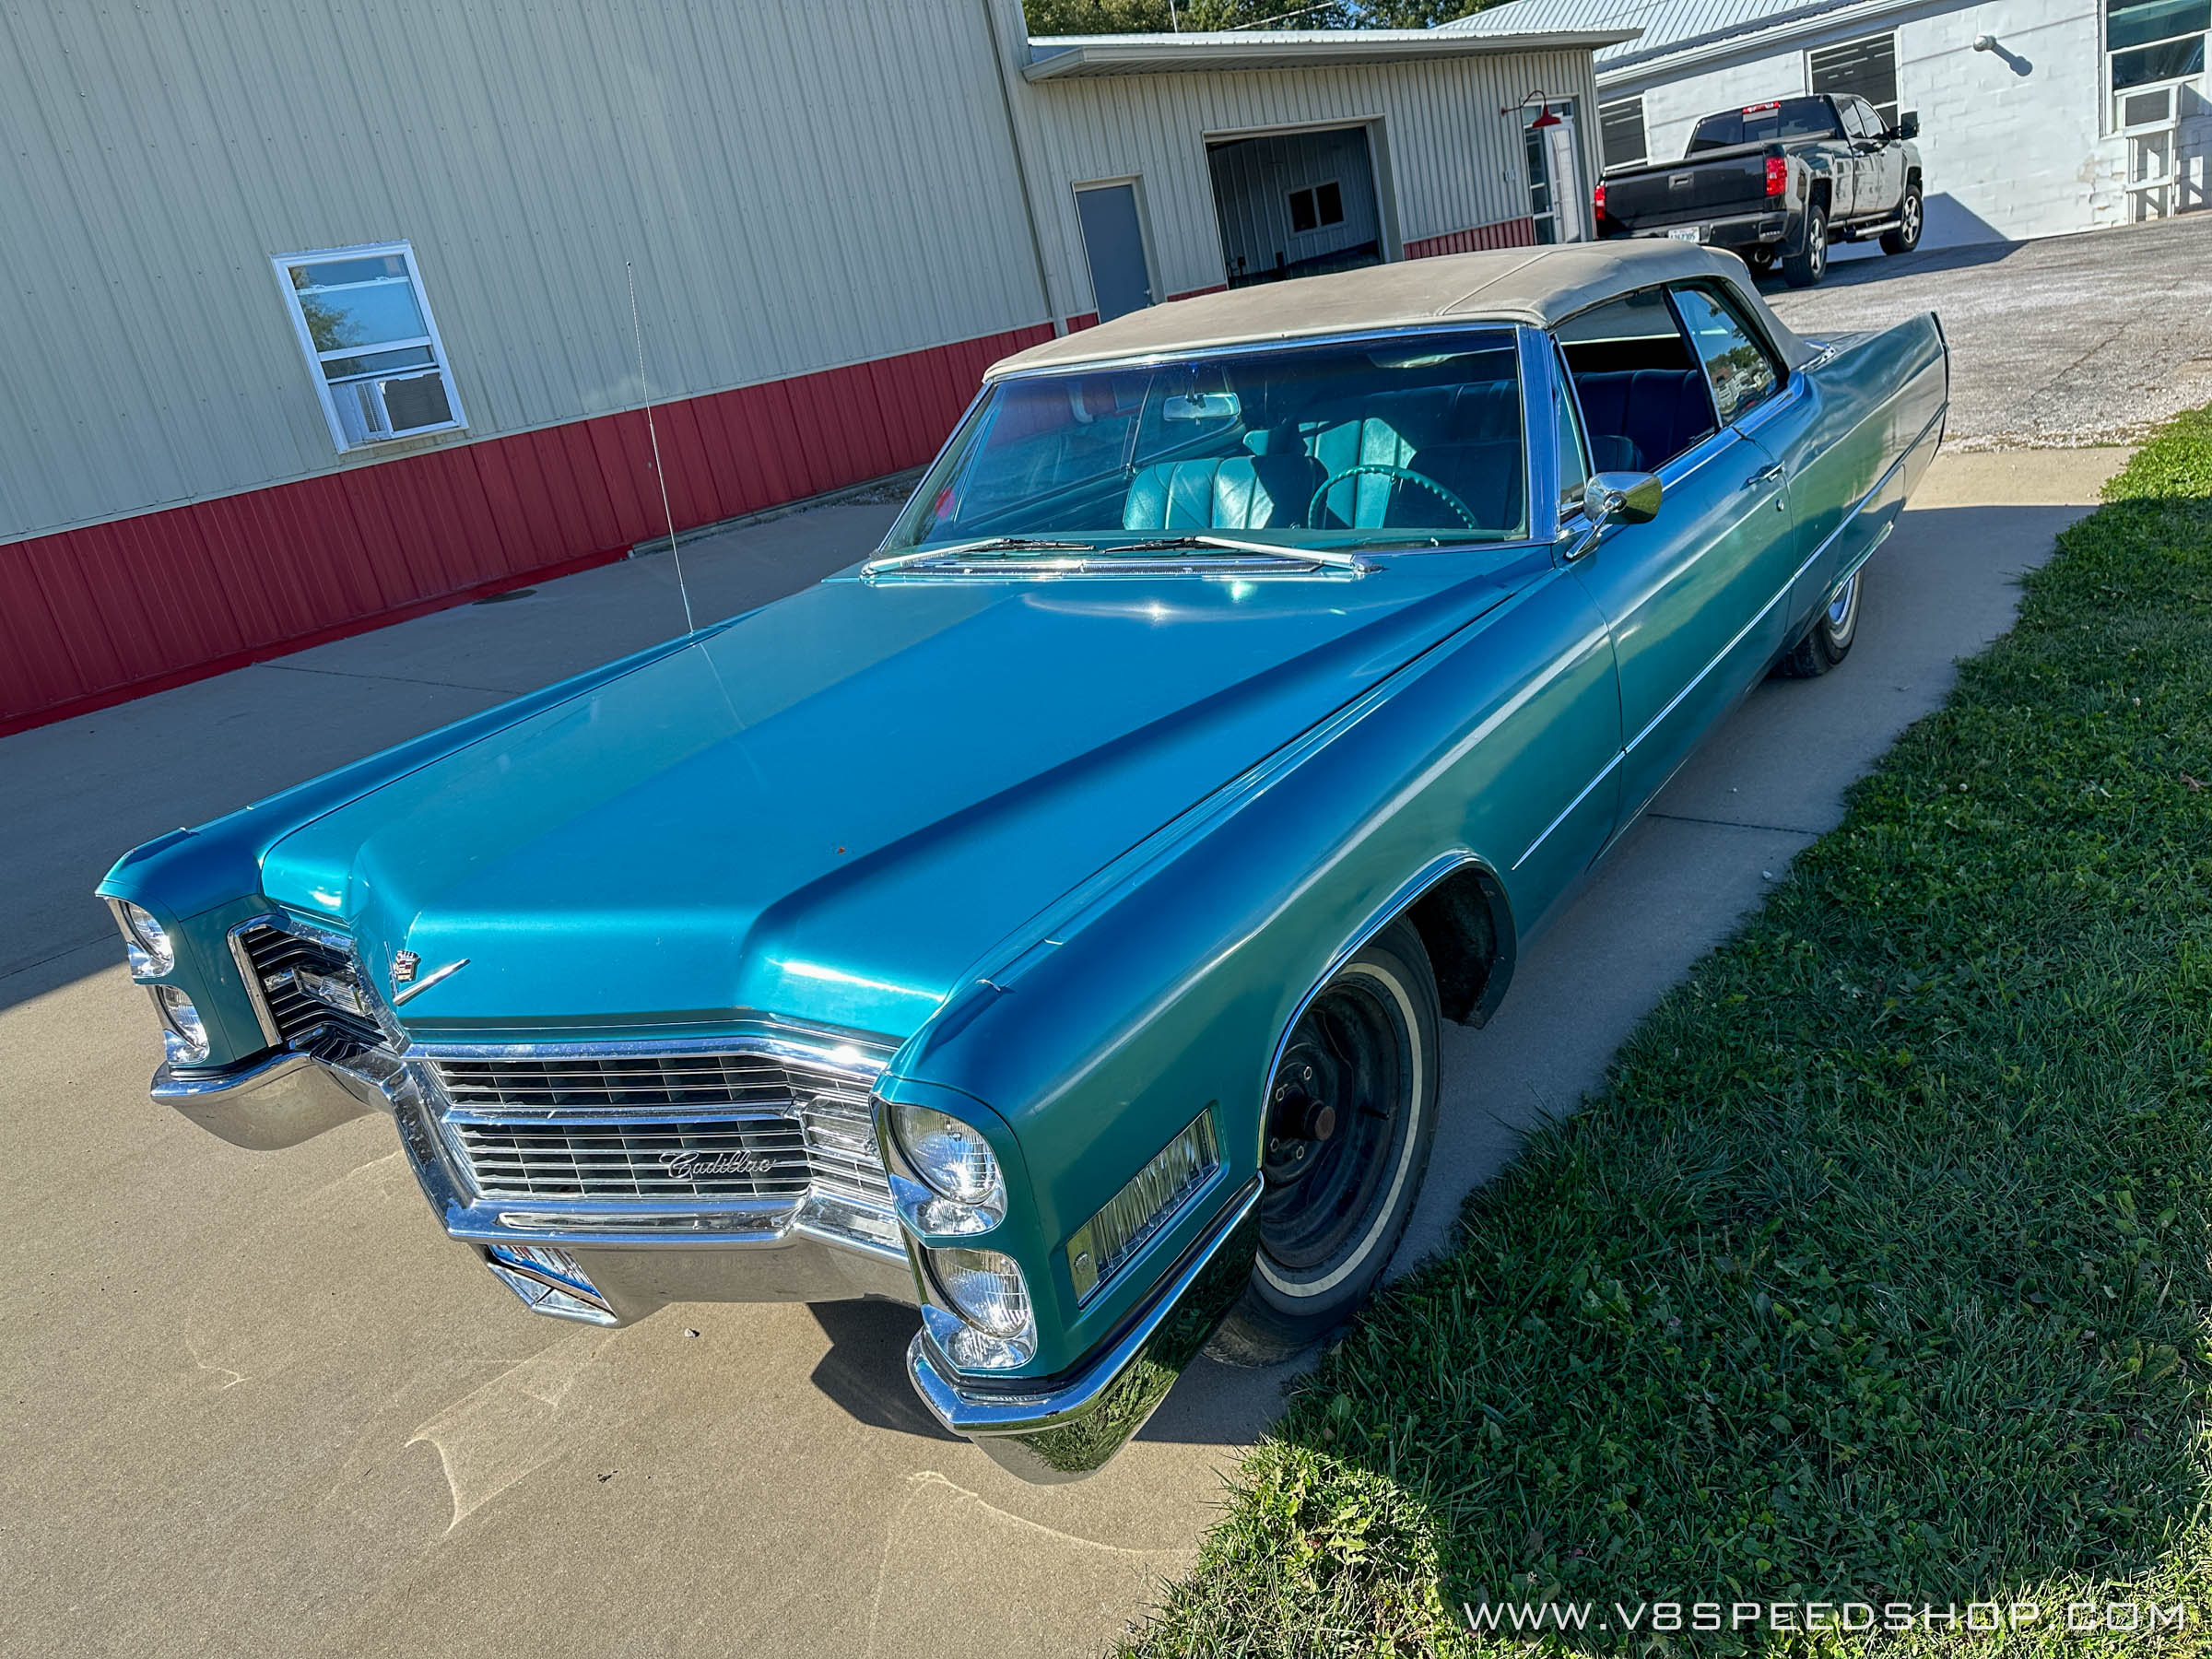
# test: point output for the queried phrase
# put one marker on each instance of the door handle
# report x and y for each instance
(1766, 474)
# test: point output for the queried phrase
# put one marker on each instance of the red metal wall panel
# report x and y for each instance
(1505, 233)
(89, 617)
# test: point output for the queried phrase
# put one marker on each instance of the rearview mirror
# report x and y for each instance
(1624, 498)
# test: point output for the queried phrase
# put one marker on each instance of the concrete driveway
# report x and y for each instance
(2088, 339)
(257, 1403)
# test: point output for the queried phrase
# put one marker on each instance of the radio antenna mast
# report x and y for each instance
(637, 335)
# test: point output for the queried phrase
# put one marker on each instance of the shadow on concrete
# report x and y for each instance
(1878, 266)
(864, 1370)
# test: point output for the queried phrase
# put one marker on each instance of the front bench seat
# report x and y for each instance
(1655, 413)
(1222, 492)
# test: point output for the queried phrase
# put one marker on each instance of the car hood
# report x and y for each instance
(828, 808)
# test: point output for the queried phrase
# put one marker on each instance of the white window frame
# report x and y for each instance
(282, 263)
(1895, 105)
(1314, 190)
(2114, 96)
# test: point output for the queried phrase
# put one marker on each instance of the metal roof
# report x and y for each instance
(1052, 57)
(1664, 27)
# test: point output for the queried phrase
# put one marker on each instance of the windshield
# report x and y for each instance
(1759, 123)
(1337, 445)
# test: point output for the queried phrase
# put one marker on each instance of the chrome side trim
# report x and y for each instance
(1049, 1431)
(1566, 812)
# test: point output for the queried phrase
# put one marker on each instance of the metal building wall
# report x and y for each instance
(799, 186)
(1253, 179)
(1450, 164)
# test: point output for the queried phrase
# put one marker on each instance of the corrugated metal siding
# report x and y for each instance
(799, 186)
(1253, 180)
(1449, 161)
(128, 606)
(1666, 24)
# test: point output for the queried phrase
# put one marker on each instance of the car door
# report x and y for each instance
(1665, 379)
(1886, 166)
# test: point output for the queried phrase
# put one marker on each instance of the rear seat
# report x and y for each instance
(1639, 418)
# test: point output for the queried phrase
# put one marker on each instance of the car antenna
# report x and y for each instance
(637, 335)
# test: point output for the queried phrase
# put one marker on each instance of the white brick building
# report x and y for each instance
(2037, 117)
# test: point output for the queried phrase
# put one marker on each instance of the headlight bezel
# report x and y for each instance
(960, 1182)
(147, 944)
(184, 1040)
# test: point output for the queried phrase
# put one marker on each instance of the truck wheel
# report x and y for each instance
(1909, 215)
(1828, 640)
(1351, 1116)
(1809, 263)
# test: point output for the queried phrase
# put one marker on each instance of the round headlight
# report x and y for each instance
(986, 1289)
(954, 1159)
(183, 1037)
(146, 941)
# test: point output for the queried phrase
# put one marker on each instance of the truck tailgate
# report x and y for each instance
(1720, 185)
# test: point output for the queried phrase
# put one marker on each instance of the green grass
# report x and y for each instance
(1878, 1270)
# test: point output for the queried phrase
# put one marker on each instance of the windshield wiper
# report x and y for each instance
(1335, 558)
(983, 544)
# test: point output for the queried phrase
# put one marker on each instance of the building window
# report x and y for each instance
(2148, 42)
(1620, 132)
(1866, 68)
(1321, 205)
(379, 366)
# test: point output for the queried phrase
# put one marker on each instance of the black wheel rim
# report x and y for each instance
(1346, 1072)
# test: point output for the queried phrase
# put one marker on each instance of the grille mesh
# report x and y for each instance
(300, 1020)
(660, 1127)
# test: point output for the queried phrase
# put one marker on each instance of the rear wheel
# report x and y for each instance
(1828, 640)
(1809, 263)
(1351, 1115)
(1911, 213)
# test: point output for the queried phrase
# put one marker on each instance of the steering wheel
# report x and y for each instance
(1405, 474)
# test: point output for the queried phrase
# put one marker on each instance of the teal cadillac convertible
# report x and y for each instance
(1048, 921)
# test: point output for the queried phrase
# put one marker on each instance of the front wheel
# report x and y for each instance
(1910, 214)
(1351, 1114)
(1809, 263)
(1828, 640)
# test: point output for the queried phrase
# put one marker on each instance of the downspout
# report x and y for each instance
(1021, 168)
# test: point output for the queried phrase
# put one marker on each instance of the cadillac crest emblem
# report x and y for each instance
(403, 964)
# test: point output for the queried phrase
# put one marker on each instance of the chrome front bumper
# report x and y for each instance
(1062, 1428)
(268, 1104)
(634, 1259)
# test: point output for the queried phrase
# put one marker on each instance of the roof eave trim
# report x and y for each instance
(1052, 57)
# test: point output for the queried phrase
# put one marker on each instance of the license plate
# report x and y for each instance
(1687, 233)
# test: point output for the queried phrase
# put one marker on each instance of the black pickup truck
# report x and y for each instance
(1777, 182)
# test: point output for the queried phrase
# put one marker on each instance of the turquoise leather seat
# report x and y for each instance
(1224, 492)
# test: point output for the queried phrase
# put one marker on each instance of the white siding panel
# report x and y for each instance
(1449, 159)
(798, 186)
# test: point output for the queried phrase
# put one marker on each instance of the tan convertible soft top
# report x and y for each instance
(1537, 285)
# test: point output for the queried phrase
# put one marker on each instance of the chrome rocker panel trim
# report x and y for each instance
(1050, 1431)
(268, 1104)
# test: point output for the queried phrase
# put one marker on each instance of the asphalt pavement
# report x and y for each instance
(256, 1402)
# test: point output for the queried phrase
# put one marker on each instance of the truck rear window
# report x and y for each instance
(1762, 124)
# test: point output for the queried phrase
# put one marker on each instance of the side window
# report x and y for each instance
(364, 323)
(1743, 375)
(1641, 390)
(1574, 453)
(1853, 126)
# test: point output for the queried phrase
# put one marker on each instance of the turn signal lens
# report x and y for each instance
(1777, 176)
(144, 941)
(183, 1037)
(954, 1159)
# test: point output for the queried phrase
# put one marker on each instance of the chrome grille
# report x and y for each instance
(645, 1127)
(650, 1159)
(272, 953)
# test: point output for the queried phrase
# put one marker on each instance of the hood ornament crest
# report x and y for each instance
(405, 965)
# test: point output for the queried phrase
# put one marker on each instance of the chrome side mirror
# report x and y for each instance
(1623, 498)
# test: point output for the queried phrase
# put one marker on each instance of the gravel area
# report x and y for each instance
(2058, 344)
